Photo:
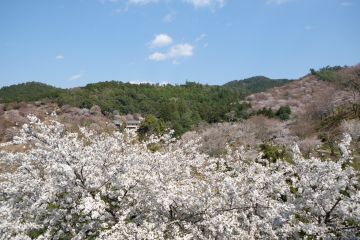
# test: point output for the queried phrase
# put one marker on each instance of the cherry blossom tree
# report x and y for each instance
(111, 186)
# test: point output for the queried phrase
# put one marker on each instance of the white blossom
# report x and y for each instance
(111, 186)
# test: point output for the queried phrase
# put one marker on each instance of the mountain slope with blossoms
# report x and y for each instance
(110, 186)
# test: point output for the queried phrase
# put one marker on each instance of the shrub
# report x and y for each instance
(95, 110)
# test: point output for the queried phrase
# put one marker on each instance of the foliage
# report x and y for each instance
(110, 186)
(283, 113)
(273, 153)
(151, 125)
(327, 73)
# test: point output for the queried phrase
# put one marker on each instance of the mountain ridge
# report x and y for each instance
(35, 91)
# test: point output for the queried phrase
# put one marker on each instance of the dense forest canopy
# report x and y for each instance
(180, 106)
(25, 92)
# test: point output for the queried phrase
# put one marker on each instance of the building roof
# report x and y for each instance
(133, 122)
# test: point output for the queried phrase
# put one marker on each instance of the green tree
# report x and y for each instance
(151, 125)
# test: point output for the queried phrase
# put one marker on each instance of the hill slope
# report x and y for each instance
(25, 92)
(257, 84)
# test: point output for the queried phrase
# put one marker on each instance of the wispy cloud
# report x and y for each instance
(161, 40)
(206, 3)
(59, 57)
(142, 1)
(170, 17)
(308, 27)
(176, 51)
(76, 77)
(201, 37)
(196, 3)
(346, 4)
(278, 1)
(103, 1)
(144, 82)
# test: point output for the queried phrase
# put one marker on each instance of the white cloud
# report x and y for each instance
(170, 17)
(279, 1)
(206, 3)
(158, 56)
(163, 83)
(140, 82)
(346, 4)
(117, 10)
(181, 50)
(59, 57)
(76, 77)
(176, 51)
(176, 62)
(201, 37)
(308, 27)
(205, 45)
(161, 40)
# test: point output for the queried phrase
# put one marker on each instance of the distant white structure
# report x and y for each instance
(132, 124)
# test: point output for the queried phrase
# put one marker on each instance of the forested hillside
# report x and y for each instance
(178, 107)
(257, 84)
(25, 92)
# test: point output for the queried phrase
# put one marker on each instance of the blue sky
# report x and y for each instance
(70, 43)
